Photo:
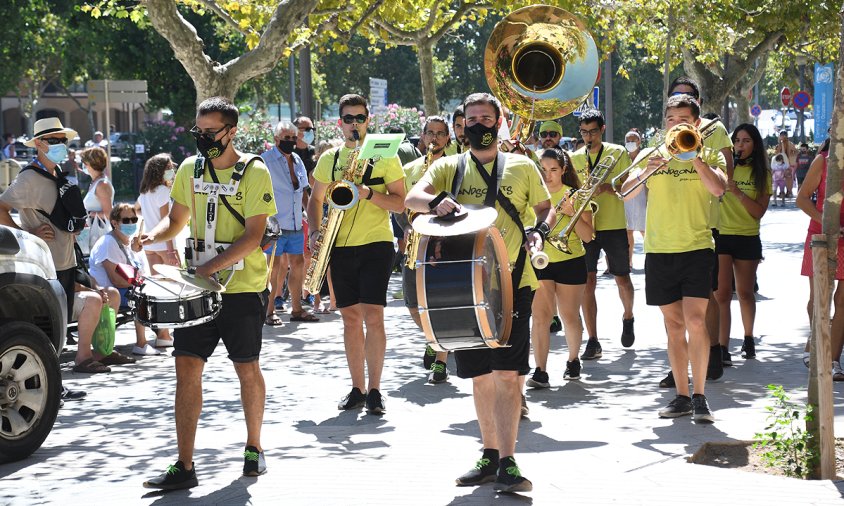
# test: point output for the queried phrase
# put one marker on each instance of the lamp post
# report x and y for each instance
(801, 68)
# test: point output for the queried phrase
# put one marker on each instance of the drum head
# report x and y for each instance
(182, 276)
(493, 285)
(478, 217)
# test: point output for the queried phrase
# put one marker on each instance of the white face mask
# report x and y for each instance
(169, 174)
(631, 146)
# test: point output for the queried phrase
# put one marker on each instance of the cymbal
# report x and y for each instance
(472, 217)
(182, 276)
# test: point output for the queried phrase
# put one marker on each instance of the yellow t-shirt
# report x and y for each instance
(413, 172)
(454, 148)
(735, 220)
(254, 197)
(365, 223)
(718, 140)
(610, 215)
(575, 243)
(520, 182)
(677, 217)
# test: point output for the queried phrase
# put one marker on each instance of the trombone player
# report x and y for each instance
(679, 251)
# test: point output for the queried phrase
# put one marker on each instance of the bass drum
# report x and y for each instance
(465, 290)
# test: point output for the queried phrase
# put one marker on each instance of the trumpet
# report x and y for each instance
(583, 199)
(411, 249)
(683, 142)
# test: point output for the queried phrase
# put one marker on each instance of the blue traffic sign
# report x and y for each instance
(801, 99)
(756, 110)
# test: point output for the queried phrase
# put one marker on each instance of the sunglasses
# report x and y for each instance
(55, 140)
(208, 134)
(127, 221)
(548, 134)
(352, 118)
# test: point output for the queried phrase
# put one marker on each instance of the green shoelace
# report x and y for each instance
(436, 367)
(482, 463)
(430, 351)
(171, 469)
(249, 455)
(514, 471)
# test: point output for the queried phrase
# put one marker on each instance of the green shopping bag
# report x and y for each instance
(103, 339)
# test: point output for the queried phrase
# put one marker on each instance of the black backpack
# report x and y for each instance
(69, 214)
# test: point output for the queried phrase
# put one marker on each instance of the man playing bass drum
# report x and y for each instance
(513, 185)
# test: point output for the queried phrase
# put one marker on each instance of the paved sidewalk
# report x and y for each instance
(594, 441)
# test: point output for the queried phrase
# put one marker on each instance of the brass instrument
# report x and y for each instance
(540, 62)
(683, 142)
(582, 199)
(341, 195)
(411, 249)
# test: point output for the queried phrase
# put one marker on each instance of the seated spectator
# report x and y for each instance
(112, 249)
(87, 306)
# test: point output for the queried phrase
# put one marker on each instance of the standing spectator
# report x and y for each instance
(789, 150)
(289, 183)
(34, 194)
(804, 160)
(100, 196)
(816, 181)
(154, 204)
(8, 147)
(97, 142)
(304, 142)
(115, 248)
(634, 209)
(779, 168)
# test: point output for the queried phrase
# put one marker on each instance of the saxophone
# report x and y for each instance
(411, 249)
(341, 196)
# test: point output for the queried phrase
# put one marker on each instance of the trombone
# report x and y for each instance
(683, 142)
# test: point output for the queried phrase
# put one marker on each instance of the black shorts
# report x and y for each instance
(473, 363)
(566, 272)
(239, 325)
(67, 278)
(715, 235)
(408, 285)
(615, 245)
(398, 231)
(740, 247)
(360, 274)
(671, 276)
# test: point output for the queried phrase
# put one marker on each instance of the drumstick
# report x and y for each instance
(538, 259)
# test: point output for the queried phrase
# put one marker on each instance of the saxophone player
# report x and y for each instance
(436, 137)
(363, 253)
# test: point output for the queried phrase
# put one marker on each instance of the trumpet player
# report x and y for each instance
(679, 253)
(563, 281)
(362, 258)
(436, 137)
(610, 224)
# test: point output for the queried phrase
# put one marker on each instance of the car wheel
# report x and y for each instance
(30, 389)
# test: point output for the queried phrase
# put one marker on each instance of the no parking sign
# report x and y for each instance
(802, 99)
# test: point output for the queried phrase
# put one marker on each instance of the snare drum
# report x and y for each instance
(162, 303)
(465, 290)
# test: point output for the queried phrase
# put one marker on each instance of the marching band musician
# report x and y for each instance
(220, 241)
(362, 259)
(610, 224)
(564, 279)
(461, 144)
(550, 133)
(512, 184)
(434, 132)
(679, 254)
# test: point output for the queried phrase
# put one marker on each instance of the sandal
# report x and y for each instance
(304, 316)
(273, 320)
(90, 366)
(117, 359)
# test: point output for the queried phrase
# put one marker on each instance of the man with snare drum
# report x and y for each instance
(227, 196)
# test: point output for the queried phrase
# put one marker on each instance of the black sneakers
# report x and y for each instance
(510, 479)
(429, 357)
(253, 462)
(175, 478)
(726, 358)
(748, 349)
(484, 471)
(593, 349)
(715, 368)
(680, 406)
(539, 379)
(668, 381)
(572, 370)
(702, 413)
(439, 372)
(627, 335)
(556, 324)
(354, 400)
(375, 403)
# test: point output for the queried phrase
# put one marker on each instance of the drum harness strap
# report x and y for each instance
(492, 195)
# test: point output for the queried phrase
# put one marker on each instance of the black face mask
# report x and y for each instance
(481, 136)
(286, 147)
(210, 149)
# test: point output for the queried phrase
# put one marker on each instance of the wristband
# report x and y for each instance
(542, 229)
(369, 196)
(439, 198)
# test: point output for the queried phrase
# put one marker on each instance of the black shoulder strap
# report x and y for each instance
(367, 178)
(40, 171)
(236, 176)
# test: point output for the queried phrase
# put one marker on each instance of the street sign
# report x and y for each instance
(785, 96)
(756, 110)
(119, 92)
(801, 99)
(378, 95)
(596, 93)
(591, 102)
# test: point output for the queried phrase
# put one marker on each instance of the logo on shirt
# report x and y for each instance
(473, 192)
(267, 198)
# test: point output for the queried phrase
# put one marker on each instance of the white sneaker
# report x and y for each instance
(147, 349)
(163, 343)
(837, 372)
